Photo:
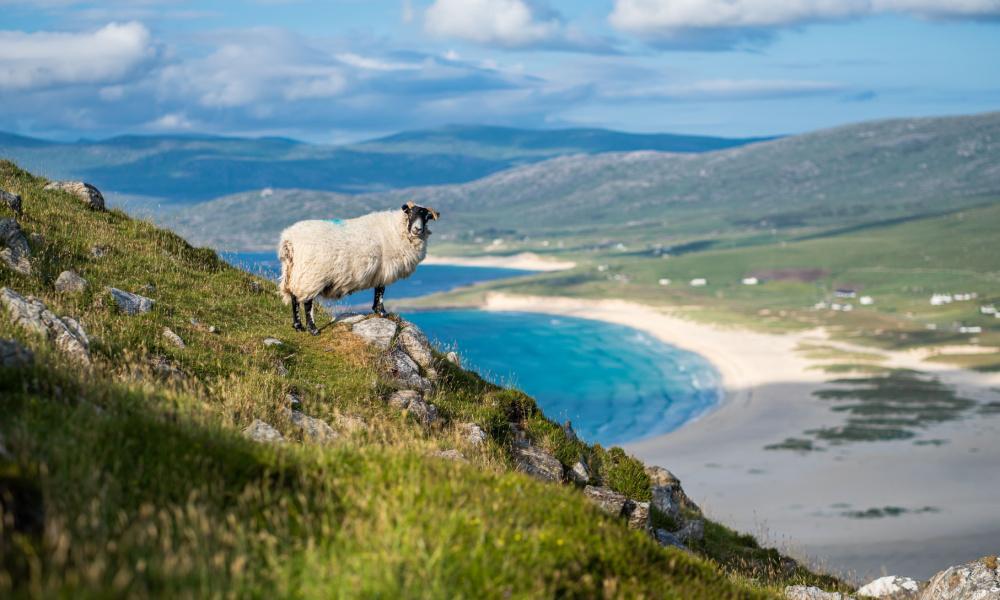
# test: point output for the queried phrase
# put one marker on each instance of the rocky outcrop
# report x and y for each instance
(70, 282)
(668, 495)
(413, 403)
(538, 463)
(977, 580)
(692, 531)
(89, 194)
(619, 505)
(13, 201)
(129, 303)
(806, 592)
(404, 372)
(667, 539)
(378, 331)
(13, 355)
(415, 344)
(259, 431)
(579, 473)
(31, 314)
(15, 249)
(473, 434)
(892, 587)
(312, 429)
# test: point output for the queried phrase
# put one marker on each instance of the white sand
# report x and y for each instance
(795, 500)
(528, 261)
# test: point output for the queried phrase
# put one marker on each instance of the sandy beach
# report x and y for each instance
(529, 261)
(797, 500)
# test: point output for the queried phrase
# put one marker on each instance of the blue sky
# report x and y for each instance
(336, 71)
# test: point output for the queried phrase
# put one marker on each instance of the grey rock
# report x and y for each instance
(129, 303)
(638, 515)
(259, 431)
(453, 358)
(313, 429)
(692, 531)
(892, 587)
(451, 454)
(580, 473)
(89, 194)
(31, 314)
(14, 355)
(667, 539)
(413, 403)
(98, 251)
(163, 369)
(281, 369)
(808, 592)
(606, 499)
(173, 338)
(977, 580)
(13, 201)
(474, 434)
(293, 399)
(377, 331)
(538, 463)
(70, 282)
(255, 286)
(272, 342)
(15, 252)
(349, 318)
(415, 344)
(401, 400)
(350, 423)
(404, 372)
(668, 495)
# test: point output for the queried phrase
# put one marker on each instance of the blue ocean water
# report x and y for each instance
(616, 384)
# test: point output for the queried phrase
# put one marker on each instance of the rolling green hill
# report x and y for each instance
(126, 474)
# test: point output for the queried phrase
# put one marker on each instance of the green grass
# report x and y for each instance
(121, 483)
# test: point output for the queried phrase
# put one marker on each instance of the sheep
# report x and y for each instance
(334, 258)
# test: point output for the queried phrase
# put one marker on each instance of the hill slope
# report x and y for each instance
(835, 178)
(131, 477)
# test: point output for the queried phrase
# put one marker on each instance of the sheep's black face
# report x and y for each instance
(417, 218)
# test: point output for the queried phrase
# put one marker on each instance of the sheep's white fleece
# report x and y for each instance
(336, 258)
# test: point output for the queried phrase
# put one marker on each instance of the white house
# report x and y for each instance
(664, 281)
(750, 281)
(988, 309)
(970, 329)
(699, 282)
(941, 299)
(866, 300)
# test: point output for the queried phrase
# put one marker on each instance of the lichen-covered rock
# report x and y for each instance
(13, 201)
(31, 314)
(451, 454)
(259, 431)
(313, 429)
(606, 499)
(692, 531)
(538, 463)
(579, 472)
(474, 434)
(13, 355)
(378, 331)
(173, 338)
(638, 515)
(892, 587)
(15, 251)
(89, 194)
(404, 372)
(977, 580)
(668, 495)
(415, 344)
(413, 403)
(70, 282)
(131, 304)
(808, 592)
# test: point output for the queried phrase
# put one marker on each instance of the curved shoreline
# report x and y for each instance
(527, 261)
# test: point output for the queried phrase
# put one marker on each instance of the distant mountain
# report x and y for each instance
(801, 185)
(196, 168)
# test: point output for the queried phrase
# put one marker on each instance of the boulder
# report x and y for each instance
(129, 303)
(413, 403)
(69, 282)
(451, 454)
(808, 592)
(173, 338)
(13, 201)
(473, 434)
(31, 314)
(667, 539)
(378, 331)
(15, 250)
(89, 194)
(892, 587)
(538, 463)
(259, 431)
(349, 318)
(453, 358)
(692, 531)
(668, 495)
(404, 372)
(579, 472)
(415, 344)
(313, 429)
(977, 580)
(14, 355)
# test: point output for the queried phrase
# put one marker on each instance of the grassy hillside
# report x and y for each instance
(131, 478)
(187, 169)
(781, 189)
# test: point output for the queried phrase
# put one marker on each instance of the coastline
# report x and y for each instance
(796, 501)
(527, 261)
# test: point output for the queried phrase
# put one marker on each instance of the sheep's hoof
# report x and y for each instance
(314, 331)
(298, 327)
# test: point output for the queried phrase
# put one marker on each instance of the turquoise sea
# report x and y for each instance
(614, 383)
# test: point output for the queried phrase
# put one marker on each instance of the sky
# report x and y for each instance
(332, 71)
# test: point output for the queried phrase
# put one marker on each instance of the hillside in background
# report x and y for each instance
(795, 186)
(194, 168)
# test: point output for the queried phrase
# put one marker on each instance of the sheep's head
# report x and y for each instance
(417, 218)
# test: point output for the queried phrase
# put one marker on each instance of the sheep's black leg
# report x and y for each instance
(308, 307)
(296, 323)
(377, 306)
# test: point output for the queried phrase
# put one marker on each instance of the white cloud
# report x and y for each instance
(673, 18)
(43, 59)
(171, 122)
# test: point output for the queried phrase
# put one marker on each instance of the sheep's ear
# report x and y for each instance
(434, 214)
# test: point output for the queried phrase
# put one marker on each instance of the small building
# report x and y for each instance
(940, 299)
(970, 329)
(866, 300)
(750, 281)
(988, 309)
(699, 282)
(664, 281)
(845, 293)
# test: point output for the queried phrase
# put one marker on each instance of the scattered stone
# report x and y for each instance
(15, 250)
(668, 495)
(13, 355)
(13, 201)
(413, 402)
(538, 463)
(272, 342)
(579, 473)
(667, 539)
(259, 431)
(173, 338)
(606, 499)
(202, 327)
(280, 368)
(452, 454)
(163, 369)
(453, 358)
(98, 251)
(70, 282)
(474, 434)
(415, 344)
(129, 303)
(692, 531)
(808, 592)
(31, 314)
(977, 580)
(349, 318)
(313, 429)
(377, 331)
(404, 372)
(892, 587)
(90, 195)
